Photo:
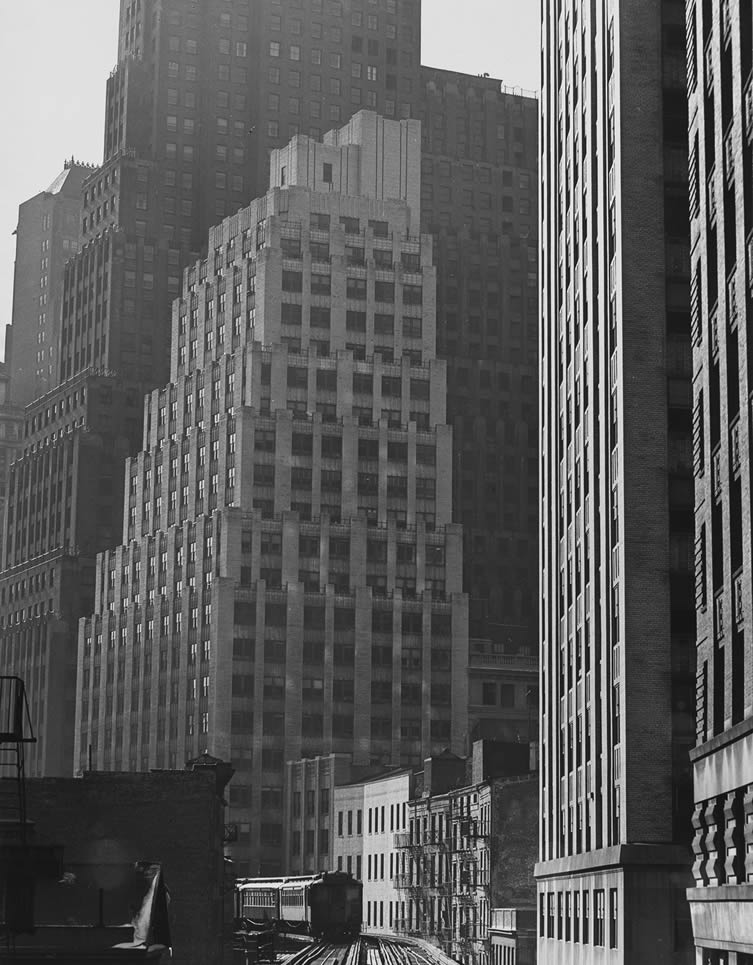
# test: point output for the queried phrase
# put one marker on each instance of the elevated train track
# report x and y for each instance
(368, 950)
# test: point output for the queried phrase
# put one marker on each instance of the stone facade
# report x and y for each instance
(720, 54)
(617, 615)
(288, 534)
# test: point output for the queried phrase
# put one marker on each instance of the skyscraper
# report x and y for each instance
(720, 91)
(47, 235)
(480, 203)
(290, 579)
(617, 614)
(202, 91)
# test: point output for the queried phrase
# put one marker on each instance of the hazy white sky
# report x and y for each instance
(55, 56)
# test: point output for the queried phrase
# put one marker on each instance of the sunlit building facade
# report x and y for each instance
(617, 609)
(290, 581)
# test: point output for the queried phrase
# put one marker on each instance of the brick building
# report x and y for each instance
(288, 534)
(47, 235)
(104, 824)
(720, 90)
(617, 613)
(468, 846)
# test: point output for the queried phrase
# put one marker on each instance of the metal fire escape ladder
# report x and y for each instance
(15, 732)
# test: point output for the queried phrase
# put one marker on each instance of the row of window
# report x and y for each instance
(355, 288)
(576, 919)
(398, 817)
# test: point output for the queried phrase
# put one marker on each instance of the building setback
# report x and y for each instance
(47, 235)
(617, 614)
(720, 91)
(288, 535)
(200, 94)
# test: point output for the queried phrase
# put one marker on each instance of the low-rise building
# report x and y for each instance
(117, 841)
(469, 848)
(309, 810)
(512, 936)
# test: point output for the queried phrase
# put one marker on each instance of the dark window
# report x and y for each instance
(292, 281)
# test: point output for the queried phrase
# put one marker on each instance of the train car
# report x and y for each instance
(329, 904)
(335, 902)
(258, 902)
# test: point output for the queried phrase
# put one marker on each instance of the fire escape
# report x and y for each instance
(16, 873)
(467, 942)
(427, 881)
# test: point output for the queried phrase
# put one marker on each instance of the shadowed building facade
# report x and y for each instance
(47, 235)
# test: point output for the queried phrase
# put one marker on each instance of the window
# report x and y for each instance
(295, 52)
(371, 73)
(356, 288)
(384, 291)
(274, 49)
(599, 915)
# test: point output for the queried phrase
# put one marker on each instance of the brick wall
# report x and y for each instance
(107, 821)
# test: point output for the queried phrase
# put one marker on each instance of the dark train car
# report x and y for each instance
(328, 904)
(335, 902)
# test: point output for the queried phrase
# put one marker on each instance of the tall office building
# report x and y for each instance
(47, 235)
(202, 91)
(720, 91)
(290, 579)
(480, 202)
(11, 423)
(617, 609)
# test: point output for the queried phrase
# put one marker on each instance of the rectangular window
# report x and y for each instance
(599, 916)
(586, 917)
(613, 918)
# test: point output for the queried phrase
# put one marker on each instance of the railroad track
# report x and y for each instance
(393, 951)
(328, 953)
(367, 950)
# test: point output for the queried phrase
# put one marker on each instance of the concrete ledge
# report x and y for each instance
(721, 740)
(724, 763)
(721, 893)
(618, 856)
(722, 917)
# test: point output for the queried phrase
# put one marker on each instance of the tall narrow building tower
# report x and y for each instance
(290, 579)
(617, 614)
(720, 90)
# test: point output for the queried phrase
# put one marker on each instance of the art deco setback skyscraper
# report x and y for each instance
(720, 89)
(290, 578)
(202, 91)
(617, 613)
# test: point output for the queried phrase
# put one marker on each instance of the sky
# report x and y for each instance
(55, 57)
